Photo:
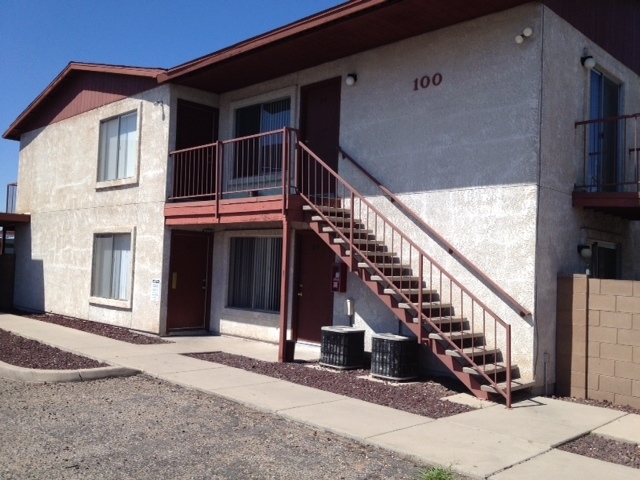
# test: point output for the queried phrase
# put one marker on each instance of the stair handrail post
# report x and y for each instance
(420, 298)
(508, 362)
(351, 231)
(512, 302)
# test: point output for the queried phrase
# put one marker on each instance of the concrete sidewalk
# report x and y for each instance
(490, 442)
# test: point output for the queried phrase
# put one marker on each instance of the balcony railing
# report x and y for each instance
(12, 193)
(242, 167)
(610, 153)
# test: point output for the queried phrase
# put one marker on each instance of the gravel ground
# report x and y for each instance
(139, 427)
(422, 398)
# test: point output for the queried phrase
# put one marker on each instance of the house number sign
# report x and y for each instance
(426, 81)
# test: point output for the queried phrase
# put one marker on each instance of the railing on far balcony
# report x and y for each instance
(610, 154)
(12, 193)
(248, 166)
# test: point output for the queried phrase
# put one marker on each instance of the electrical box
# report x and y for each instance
(339, 277)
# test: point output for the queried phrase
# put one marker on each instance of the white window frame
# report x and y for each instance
(132, 176)
(114, 302)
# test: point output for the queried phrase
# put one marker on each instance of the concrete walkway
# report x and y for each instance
(490, 442)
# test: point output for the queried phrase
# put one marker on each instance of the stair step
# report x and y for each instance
(334, 219)
(358, 241)
(383, 266)
(515, 385)
(425, 305)
(459, 335)
(410, 291)
(488, 369)
(323, 208)
(345, 230)
(447, 320)
(395, 278)
(473, 352)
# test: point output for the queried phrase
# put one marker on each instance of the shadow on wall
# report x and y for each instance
(29, 274)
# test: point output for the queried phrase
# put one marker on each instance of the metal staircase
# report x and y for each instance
(460, 330)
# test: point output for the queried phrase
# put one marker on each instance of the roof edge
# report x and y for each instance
(300, 26)
(12, 134)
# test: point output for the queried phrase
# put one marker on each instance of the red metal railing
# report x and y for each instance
(248, 166)
(610, 154)
(371, 236)
(508, 299)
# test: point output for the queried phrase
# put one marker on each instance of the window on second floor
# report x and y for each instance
(118, 147)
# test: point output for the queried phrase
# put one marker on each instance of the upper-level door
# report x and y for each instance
(320, 131)
(196, 125)
(604, 137)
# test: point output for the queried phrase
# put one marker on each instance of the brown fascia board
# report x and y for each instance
(307, 24)
(13, 132)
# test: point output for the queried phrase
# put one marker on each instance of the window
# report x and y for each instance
(118, 147)
(261, 155)
(111, 266)
(254, 273)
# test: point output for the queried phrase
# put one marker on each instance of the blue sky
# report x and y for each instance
(38, 38)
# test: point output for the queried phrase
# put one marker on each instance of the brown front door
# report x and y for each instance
(314, 297)
(320, 131)
(189, 278)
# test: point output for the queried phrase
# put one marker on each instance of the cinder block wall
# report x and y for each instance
(598, 339)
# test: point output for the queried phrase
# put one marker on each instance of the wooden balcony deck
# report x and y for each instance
(260, 209)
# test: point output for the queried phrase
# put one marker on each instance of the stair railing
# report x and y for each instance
(328, 193)
(508, 299)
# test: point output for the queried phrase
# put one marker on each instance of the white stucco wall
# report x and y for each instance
(57, 178)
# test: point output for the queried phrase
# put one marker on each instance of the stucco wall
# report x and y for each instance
(468, 148)
(57, 177)
(565, 100)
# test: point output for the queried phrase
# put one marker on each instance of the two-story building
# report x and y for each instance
(437, 165)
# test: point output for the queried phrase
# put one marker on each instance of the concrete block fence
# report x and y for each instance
(598, 339)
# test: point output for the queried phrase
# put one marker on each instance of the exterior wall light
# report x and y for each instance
(526, 33)
(588, 62)
(351, 79)
(585, 252)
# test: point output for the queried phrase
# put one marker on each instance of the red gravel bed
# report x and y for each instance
(600, 448)
(421, 398)
(110, 331)
(22, 352)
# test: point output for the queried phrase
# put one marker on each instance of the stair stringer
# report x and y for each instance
(437, 347)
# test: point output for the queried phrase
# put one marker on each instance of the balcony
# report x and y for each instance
(248, 179)
(610, 153)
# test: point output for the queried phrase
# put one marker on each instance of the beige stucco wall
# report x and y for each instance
(468, 148)
(57, 177)
(565, 100)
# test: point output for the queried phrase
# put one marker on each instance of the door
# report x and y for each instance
(320, 131)
(604, 137)
(189, 278)
(314, 308)
(196, 125)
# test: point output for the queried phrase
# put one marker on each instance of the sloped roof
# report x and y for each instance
(81, 87)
